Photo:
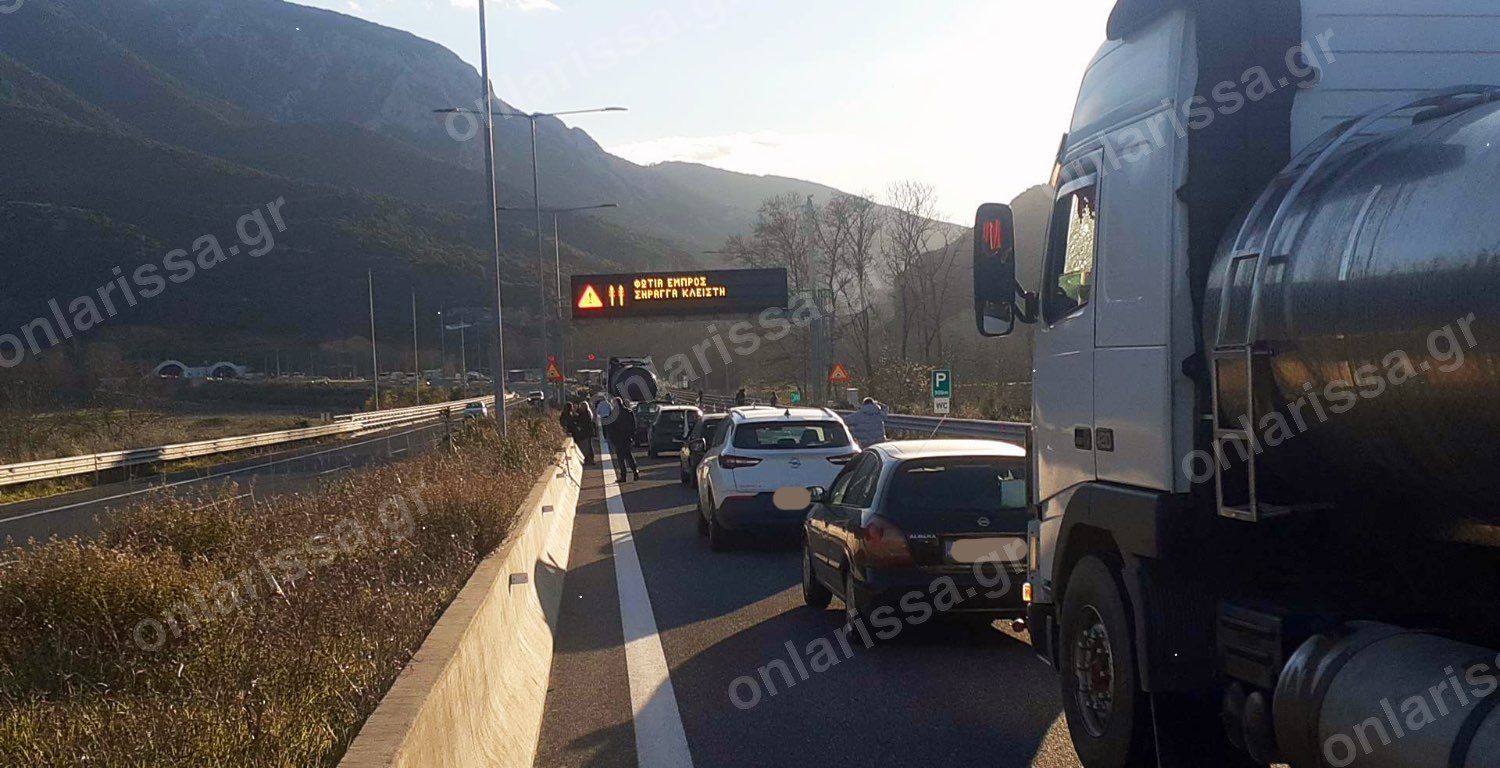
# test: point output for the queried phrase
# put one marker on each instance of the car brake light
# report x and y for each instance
(736, 462)
(884, 544)
(841, 460)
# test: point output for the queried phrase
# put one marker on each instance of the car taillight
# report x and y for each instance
(841, 460)
(884, 544)
(736, 462)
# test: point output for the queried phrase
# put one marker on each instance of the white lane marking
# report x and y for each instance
(660, 741)
(214, 476)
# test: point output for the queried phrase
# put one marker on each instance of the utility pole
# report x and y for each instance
(819, 330)
(416, 353)
(541, 260)
(374, 350)
(557, 304)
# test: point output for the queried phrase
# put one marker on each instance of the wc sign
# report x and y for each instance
(942, 391)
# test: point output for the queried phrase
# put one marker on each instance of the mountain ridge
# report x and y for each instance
(173, 118)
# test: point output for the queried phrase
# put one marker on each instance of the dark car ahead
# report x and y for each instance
(696, 446)
(645, 415)
(906, 517)
(669, 430)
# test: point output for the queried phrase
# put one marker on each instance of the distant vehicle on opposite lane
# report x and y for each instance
(694, 448)
(476, 411)
(670, 428)
(536, 399)
(905, 514)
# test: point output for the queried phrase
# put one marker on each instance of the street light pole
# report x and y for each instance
(501, 419)
(416, 353)
(561, 350)
(442, 346)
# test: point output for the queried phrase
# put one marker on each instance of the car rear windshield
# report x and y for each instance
(711, 428)
(673, 418)
(790, 435)
(954, 484)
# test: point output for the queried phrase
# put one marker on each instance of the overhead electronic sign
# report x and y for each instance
(679, 294)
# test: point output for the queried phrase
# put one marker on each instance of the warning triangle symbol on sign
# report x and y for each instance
(840, 374)
(553, 374)
(590, 299)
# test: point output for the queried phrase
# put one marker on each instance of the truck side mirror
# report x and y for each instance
(995, 308)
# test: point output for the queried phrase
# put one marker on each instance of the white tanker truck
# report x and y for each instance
(1266, 427)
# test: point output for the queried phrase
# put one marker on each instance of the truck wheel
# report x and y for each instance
(1108, 715)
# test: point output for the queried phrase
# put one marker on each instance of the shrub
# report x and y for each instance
(200, 631)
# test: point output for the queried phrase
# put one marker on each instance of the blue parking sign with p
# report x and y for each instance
(942, 384)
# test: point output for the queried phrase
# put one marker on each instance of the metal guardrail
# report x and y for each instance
(349, 424)
(1010, 432)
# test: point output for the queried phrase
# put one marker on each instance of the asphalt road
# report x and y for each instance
(939, 694)
(259, 479)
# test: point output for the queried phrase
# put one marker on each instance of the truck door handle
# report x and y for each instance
(1083, 438)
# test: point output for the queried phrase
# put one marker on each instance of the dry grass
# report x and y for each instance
(305, 611)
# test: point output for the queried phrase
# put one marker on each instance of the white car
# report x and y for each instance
(758, 451)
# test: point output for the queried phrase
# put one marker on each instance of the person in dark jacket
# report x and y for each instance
(621, 434)
(582, 427)
(739, 397)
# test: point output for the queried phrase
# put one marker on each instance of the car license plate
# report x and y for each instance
(1006, 549)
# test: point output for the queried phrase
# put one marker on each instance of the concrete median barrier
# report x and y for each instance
(474, 693)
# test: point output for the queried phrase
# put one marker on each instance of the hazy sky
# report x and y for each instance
(970, 96)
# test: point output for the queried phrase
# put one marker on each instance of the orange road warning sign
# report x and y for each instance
(553, 372)
(590, 299)
(840, 374)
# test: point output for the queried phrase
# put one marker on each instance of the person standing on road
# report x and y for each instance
(867, 424)
(739, 397)
(581, 426)
(621, 434)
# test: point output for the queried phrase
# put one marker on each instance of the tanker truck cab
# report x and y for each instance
(1180, 600)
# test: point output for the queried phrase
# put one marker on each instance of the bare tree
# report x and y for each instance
(848, 229)
(909, 230)
(933, 281)
(784, 236)
(781, 238)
